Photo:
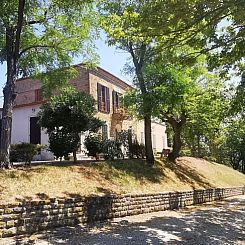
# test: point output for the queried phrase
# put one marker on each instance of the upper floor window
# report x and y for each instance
(38, 95)
(116, 100)
(103, 98)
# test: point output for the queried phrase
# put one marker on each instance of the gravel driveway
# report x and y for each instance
(217, 223)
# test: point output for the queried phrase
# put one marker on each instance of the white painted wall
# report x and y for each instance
(21, 129)
(159, 136)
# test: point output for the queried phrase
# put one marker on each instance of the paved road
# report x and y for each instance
(218, 223)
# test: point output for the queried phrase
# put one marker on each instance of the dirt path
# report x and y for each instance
(218, 223)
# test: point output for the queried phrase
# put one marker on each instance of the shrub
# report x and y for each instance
(137, 150)
(112, 149)
(62, 144)
(93, 143)
(24, 152)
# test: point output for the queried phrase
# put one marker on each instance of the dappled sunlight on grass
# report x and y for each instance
(63, 179)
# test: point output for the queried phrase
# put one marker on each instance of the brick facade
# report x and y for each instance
(26, 87)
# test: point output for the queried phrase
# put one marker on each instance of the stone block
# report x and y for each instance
(9, 232)
(2, 225)
(8, 210)
(11, 223)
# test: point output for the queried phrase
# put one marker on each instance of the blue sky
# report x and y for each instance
(111, 59)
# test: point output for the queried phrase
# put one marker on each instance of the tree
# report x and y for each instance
(235, 143)
(129, 25)
(40, 36)
(170, 93)
(119, 24)
(203, 132)
(214, 25)
(65, 116)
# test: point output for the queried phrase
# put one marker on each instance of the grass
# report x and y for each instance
(122, 176)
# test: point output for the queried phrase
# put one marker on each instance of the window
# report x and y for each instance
(38, 95)
(116, 100)
(104, 132)
(103, 98)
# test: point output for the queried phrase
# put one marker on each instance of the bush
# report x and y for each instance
(93, 143)
(137, 150)
(112, 149)
(62, 144)
(24, 152)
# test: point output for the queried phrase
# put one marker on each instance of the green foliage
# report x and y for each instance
(24, 152)
(65, 116)
(93, 144)
(203, 131)
(63, 143)
(137, 150)
(235, 144)
(52, 34)
(112, 149)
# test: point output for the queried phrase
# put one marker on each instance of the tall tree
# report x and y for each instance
(40, 36)
(173, 92)
(120, 24)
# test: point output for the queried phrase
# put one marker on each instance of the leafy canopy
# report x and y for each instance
(71, 111)
(53, 33)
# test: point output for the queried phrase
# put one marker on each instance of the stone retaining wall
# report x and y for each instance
(29, 217)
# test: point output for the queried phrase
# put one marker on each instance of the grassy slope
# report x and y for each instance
(129, 176)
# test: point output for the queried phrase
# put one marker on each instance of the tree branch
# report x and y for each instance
(33, 22)
(19, 28)
(35, 46)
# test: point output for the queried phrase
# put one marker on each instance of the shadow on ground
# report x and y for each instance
(222, 223)
(135, 168)
(188, 175)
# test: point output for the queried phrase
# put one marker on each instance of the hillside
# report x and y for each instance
(129, 176)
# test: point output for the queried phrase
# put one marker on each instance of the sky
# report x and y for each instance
(111, 59)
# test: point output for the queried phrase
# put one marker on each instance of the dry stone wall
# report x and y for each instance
(32, 216)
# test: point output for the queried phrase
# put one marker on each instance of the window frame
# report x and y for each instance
(103, 98)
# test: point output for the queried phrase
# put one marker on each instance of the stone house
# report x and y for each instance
(104, 87)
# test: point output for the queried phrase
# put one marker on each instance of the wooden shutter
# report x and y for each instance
(99, 96)
(107, 107)
(38, 95)
(114, 100)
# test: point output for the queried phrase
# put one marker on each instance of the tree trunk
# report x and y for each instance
(74, 153)
(148, 142)
(177, 125)
(176, 143)
(9, 96)
(139, 61)
(198, 146)
(13, 35)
